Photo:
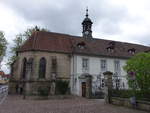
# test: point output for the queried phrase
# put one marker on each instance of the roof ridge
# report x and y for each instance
(64, 43)
(71, 36)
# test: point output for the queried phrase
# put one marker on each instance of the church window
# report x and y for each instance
(30, 64)
(42, 68)
(24, 68)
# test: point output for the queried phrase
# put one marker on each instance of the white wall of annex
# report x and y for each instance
(94, 69)
(95, 62)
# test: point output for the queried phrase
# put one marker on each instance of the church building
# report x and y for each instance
(81, 60)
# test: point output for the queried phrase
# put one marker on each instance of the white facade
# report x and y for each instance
(95, 66)
(1, 78)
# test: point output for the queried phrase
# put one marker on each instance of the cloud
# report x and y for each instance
(66, 15)
(122, 20)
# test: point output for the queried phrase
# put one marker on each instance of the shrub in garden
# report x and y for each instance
(43, 91)
(62, 86)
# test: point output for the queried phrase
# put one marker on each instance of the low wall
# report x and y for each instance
(141, 105)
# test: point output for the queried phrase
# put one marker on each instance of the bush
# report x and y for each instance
(139, 94)
(61, 87)
(43, 91)
(143, 95)
(98, 95)
(122, 93)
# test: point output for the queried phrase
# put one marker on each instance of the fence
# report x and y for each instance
(121, 89)
(3, 92)
(118, 83)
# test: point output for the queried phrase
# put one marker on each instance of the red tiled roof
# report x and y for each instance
(2, 73)
(62, 43)
(46, 41)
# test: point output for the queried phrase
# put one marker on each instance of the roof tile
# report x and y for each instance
(56, 42)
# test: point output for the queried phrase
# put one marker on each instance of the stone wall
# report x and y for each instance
(32, 81)
(63, 61)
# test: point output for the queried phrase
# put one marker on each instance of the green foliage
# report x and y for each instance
(61, 86)
(143, 95)
(122, 93)
(20, 40)
(43, 91)
(140, 65)
(3, 44)
(140, 95)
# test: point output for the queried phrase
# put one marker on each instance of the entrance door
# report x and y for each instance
(83, 89)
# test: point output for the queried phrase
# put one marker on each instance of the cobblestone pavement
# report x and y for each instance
(15, 104)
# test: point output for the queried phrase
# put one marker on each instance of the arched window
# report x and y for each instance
(24, 68)
(42, 68)
(30, 64)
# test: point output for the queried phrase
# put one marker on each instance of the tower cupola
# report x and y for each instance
(87, 26)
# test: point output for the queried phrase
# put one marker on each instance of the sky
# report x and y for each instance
(120, 20)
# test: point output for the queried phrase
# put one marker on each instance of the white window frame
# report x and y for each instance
(117, 67)
(85, 65)
(103, 65)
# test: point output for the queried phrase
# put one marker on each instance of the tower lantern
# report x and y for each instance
(87, 26)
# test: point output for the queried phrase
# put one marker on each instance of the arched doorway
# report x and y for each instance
(86, 85)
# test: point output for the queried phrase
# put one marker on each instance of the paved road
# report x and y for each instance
(14, 104)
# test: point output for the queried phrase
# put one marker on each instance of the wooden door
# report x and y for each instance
(83, 89)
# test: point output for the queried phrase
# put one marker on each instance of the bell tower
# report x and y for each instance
(87, 26)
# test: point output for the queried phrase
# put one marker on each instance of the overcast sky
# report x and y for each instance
(121, 20)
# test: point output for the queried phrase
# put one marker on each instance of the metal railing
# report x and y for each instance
(3, 93)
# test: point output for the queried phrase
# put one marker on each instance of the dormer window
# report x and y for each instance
(131, 51)
(110, 49)
(111, 46)
(147, 51)
(81, 45)
(112, 43)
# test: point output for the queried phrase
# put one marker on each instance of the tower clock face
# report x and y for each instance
(86, 32)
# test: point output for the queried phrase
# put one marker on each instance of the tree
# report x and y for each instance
(138, 68)
(19, 41)
(3, 46)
